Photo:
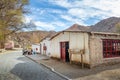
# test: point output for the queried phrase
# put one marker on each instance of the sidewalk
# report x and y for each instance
(70, 71)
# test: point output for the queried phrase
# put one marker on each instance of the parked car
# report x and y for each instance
(25, 51)
(29, 51)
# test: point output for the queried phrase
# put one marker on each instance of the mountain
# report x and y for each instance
(77, 27)
(36, 36)
(30, 37)
(106, 25)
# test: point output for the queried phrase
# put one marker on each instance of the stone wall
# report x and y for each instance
(96, 50)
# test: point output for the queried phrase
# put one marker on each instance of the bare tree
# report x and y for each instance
(11, 14)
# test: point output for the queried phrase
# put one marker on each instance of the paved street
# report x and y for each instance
(15, 66)
(75, 72)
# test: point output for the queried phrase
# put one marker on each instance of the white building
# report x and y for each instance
(36, 48)
(45, 42)
(65, 40)
(97, 47)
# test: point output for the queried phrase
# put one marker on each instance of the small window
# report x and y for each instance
(111, 48)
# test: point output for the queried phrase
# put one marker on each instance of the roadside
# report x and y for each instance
(3, 51)
(15, 66)
(75, 72)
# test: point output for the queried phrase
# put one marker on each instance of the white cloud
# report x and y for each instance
(73, 20)
(27, 19)
(55, 11)
(63, 3)
(44, 25)
(111, 7)
(58, 23)
(77, 11)
(85, 9)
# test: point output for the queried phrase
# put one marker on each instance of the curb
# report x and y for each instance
(50, 68)
(53, 70)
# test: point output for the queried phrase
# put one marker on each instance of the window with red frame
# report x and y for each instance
(111, 48)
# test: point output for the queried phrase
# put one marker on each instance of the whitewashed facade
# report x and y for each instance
(77, 40)
(45, 41)
(36, 48)
(99, 47)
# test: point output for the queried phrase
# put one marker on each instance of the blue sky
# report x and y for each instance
(60, 14)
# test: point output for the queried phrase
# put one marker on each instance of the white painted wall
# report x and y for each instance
(34, 46)
(55, 44)
(80, 41)
(47, 43)
(77, 40)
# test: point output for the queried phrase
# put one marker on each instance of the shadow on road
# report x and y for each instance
(22, 69)
(29, 70)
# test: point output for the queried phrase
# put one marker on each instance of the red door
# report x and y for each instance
(63, 53)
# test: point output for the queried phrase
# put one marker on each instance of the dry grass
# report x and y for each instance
(105, 75)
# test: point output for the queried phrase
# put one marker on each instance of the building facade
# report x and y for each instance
(99, 48)
(36, 48)
(9, 45)
(45, 46)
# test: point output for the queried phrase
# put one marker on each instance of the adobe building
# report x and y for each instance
(98, 47)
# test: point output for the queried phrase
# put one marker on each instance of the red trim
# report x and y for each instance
(111, 48)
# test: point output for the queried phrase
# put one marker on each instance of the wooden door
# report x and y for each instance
(63, 53)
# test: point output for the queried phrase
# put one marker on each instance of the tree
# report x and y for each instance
(11, 14)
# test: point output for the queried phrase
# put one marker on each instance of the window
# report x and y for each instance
(111, 48)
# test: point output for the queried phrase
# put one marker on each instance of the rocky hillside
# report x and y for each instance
(106, 25)
(36, 36)
(30, 37)
(77, 27)
(111, 24)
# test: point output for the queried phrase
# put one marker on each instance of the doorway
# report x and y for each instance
(64, 46)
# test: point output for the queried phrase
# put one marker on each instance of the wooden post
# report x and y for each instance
(82, 61)
(81, 52)
(70, 55)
